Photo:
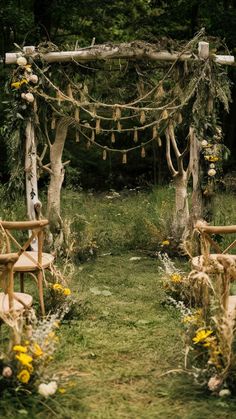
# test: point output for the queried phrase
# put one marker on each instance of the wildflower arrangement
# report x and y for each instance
(24, 367)
(175, 282)
(57, 295)
(209, 332)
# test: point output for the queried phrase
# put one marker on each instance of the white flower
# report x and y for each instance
(21, 61)
(47, 389)
(214, 383)
(204, 143)
(29, 97)
(7, 372)
(212, 166)
(225, 392)
(34, 78)
(211, 172)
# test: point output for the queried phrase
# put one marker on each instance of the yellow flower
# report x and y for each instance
(24, 376)
(18, 84)
(37, 351)
(212, 158)
(20, 348)
(165, 243)
(189, 319)
(67, 291)
(62, 390)
(176, 277)
(201, 336)
(57, 287)
(25, 360)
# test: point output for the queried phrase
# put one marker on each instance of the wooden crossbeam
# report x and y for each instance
(134, 50)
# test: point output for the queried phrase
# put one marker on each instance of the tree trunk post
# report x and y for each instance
(57, 172)
(194, 163)
(181, 215)
(32, 200)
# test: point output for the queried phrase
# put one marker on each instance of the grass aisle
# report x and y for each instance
(124, 340)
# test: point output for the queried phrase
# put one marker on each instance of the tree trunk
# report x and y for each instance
(56, 181)
(197, 203)
(32, 201)
(181, 214)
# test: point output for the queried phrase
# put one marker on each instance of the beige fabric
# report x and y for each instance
(17, 306)
(29, 264)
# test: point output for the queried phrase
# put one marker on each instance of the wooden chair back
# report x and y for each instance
(208, 242)
(32, 261)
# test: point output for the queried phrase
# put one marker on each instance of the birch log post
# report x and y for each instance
(32, 200)
(139, 50)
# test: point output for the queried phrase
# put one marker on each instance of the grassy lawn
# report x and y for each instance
(124, 340)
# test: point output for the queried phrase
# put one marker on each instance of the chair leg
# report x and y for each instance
(22, 282)
(40, 288)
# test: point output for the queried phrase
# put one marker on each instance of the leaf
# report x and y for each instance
(23, 412)
(19, 116)
(142, 321)
(106, 293)
(95, 291)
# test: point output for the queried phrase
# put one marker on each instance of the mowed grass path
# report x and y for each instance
(122, 344)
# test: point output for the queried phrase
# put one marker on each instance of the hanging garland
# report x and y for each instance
(154, 110)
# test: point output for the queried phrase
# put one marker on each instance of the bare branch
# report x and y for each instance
(168, 155)
(178, 155)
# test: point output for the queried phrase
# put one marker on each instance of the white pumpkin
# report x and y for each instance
(34, 78)
(29, 97)
(21, 61)
(211, 172)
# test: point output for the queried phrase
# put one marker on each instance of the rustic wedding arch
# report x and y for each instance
(167, 114)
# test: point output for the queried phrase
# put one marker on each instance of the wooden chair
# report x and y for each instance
(221, 260)
(11, 302)
(30, 262)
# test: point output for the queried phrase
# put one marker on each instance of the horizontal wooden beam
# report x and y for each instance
(24, 225)
(204, 228)
(133, 50)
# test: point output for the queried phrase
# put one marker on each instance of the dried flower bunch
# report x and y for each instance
(209, 325)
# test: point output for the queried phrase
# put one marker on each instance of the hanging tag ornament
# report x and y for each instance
(98, 126)
(93, 136)
(93, 111)
(117, 113)
(119, 126)
(159, 92)
(154, 132)
(135, 135)
(113, 138)
(164, 114)
(142, 117)
(143, 152)
(124, 158)
(77, 114)
(104, 154)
